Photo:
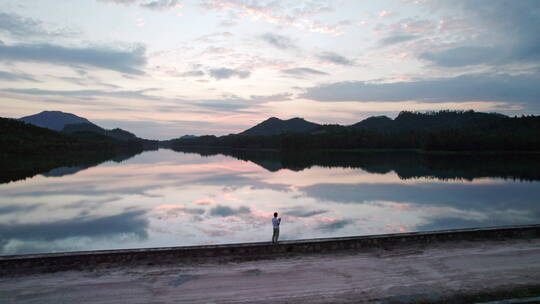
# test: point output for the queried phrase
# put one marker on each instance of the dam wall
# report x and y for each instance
(51, 262)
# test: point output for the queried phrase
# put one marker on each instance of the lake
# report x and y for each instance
(167, 198)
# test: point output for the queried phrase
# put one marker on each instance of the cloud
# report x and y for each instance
(126, 223)
(444, 223)
(213, 50)
(474, 87)
(87, 80)
(334, 58)
(224, 211)
(8, 76)
(477, 197)
(302, 71)
(275, 12)
(396, 38)
(212, 37)
(160, 4)
(148, 4)
(226, 103)
(505, 34)
(408, 29)
(267, 98)
(302, 212)
(193, 73)
(386, 13)
(140, 94)
(236, 181)
(121, 2)
(17, 208)
(279, 41)
(462, 56)
(125, 61)
(234, 103)
(18, 26)
(175, 210)
(226, 73)
(333, 225)
(487, 55)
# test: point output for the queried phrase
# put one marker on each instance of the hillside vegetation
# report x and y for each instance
(441, 131)
(26, 150)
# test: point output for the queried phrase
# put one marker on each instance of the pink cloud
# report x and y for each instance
(216, 51)
(396, 227)
(419, 26)
(204, 202)
(170, 207)
(231, 198)
(274, 13)
(450, 24)
(386, 13)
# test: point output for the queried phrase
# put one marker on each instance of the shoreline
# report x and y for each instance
(52, 262)
(455, 267)
(419, 151)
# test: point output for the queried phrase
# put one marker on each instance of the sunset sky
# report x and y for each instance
(165, 68)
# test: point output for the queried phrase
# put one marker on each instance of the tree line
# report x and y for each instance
(490, 133)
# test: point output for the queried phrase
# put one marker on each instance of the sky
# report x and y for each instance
(166, 68)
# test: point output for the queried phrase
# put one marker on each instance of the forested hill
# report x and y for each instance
(273, 126)
(27, 150)
(82, 128)
(443, 130)
(20, 139)
(415, 121)
(54, 120)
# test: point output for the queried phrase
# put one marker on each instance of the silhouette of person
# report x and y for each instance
(275, 223)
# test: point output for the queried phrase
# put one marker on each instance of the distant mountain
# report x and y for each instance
(89, 127)
(188, 136)
(54, 120)
(416, 121)
(430, 131)
(374, 123)
(82, 128)
(18, 138)
(275, 126)
(122, 134)
(27, 150)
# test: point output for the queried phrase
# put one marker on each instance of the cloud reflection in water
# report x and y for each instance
(163, 198)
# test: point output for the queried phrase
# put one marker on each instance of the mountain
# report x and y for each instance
(89, 127)
(18, 138)
(188, 136)
(83, 129)
(430, 131)
(441, 120)
(54, 120)
(27, 150)
(275, 126)
(374, 123)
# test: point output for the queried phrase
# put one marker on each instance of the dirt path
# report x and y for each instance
(407, 274)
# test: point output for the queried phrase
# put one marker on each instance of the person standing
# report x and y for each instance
(275, 223)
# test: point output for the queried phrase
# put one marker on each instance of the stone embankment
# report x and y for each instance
(40, 263)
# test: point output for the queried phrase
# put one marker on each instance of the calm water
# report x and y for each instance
(167, 198)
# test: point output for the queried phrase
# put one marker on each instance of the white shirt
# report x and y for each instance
(275, 222)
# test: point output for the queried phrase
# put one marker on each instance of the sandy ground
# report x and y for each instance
(378, 275)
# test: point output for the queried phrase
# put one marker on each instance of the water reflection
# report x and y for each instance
(165, 198)
(407, 164)
(14, 168)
